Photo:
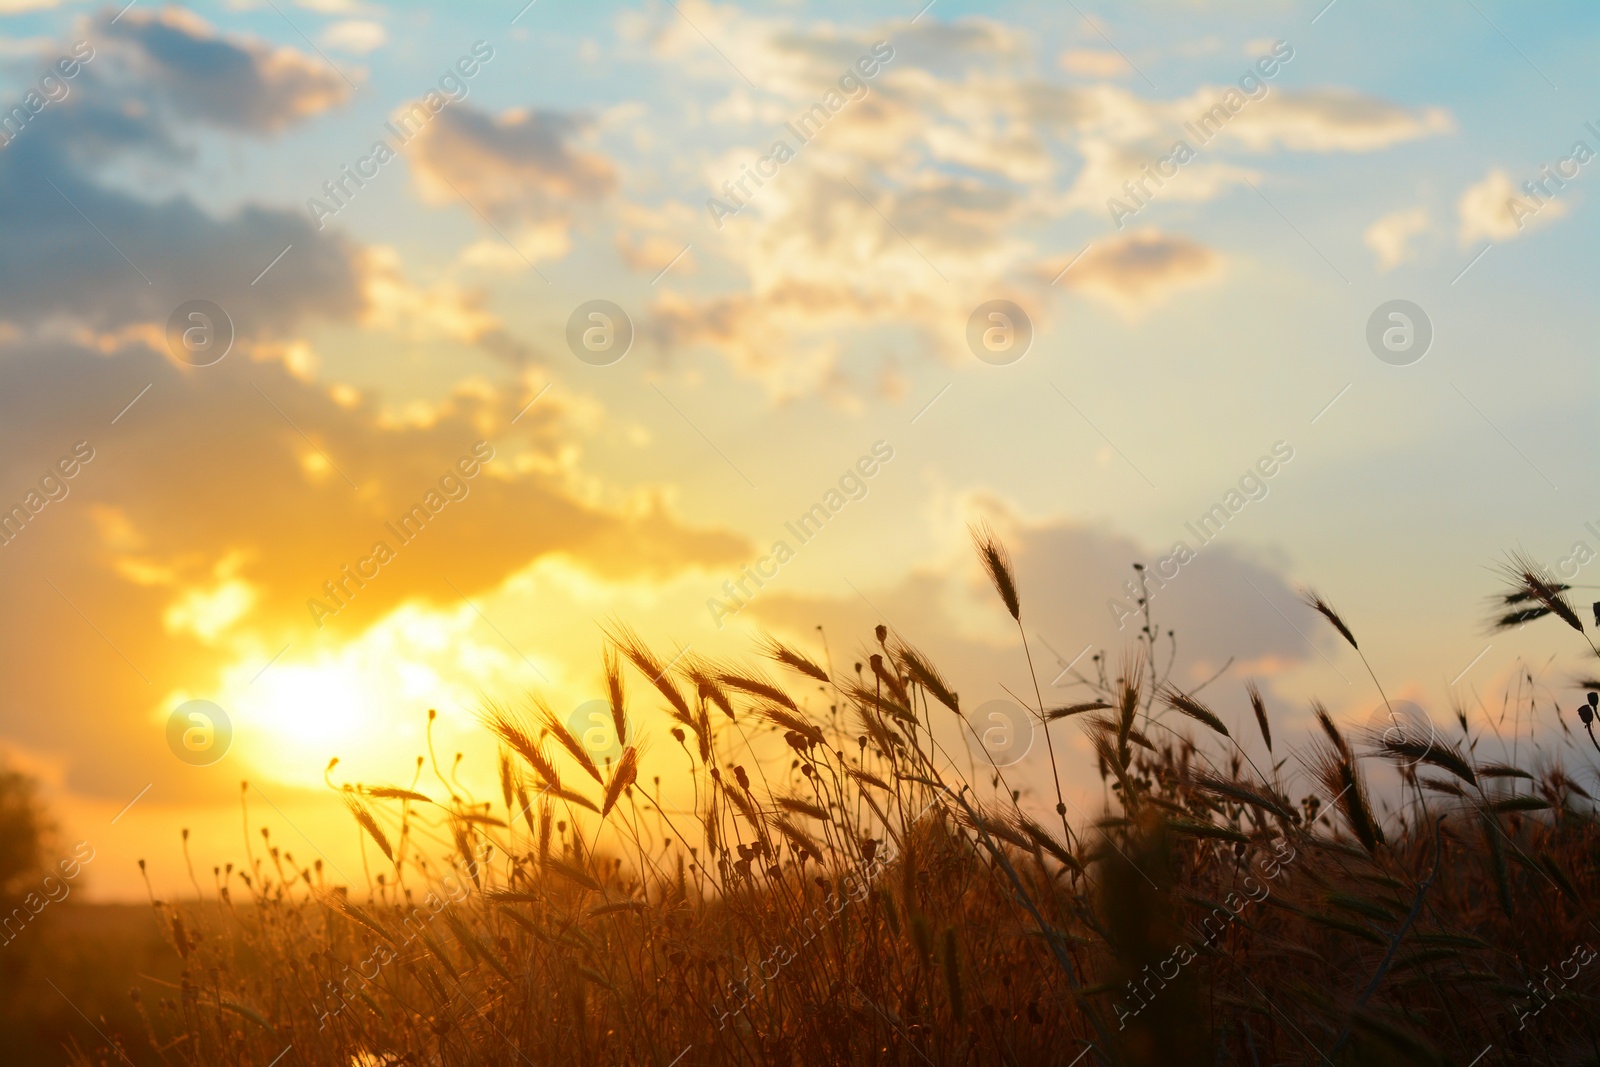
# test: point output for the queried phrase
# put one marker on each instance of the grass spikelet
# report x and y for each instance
(1501, 770)
(544, 830)
(390, 792)
(1110, 727)
(1551, 866)
(1531, 582)
(1441, 785)
(879, 701)
(1314, 600)
(1259, 706)
(437, 951)
(791, 721)
(355, 912)
(507, 786)
(782, 653)
(997, 562)
(1042, 837)
(525, 807)
(511, 729)
(1326, 722)
(1108, 750)
(1196, 828)
(739, 799)
(1506, 805)
(1435, 751)
(616, 695)
(1512, 619)
(927, 676)
(1128, 700)
(1336, 769)
(1244, 793)
(702, 733)
(801, 806)
(370, 825)
(474, 944)
(479, 818)
(572, 873)
(798, 839)
(757, 687)
(703, 674)
(573, 798)
(615, 906)
(867, 778)
(1187, 705)
(558, 729)
(885, 738)
(708, 690)
(995, 826)
(889, 680)
(626, 771)
(1076, 709)
(629, 644)
(463, 839)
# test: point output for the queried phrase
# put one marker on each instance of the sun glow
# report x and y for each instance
(307, 708)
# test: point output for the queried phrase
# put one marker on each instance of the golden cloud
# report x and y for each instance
(1141, 269)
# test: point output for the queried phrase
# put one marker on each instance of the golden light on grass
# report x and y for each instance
(581, 914)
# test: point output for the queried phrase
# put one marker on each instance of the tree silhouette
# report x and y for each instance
(24, 827)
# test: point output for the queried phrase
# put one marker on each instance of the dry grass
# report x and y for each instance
(856, 901)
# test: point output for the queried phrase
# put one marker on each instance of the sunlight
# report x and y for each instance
(307, 709)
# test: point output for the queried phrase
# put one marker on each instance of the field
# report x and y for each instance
(862, 901)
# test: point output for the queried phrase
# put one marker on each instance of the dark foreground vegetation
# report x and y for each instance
(874, 898)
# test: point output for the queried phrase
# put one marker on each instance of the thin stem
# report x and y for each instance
(1050, 746)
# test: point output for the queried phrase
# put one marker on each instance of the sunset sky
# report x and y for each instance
(1187, 336)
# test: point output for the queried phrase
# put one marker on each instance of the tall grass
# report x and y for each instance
(860, 900)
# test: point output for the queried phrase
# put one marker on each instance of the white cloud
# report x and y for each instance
(1093, 64)
(1141, 269)
(1390, 237)
(356, 36)
(966, 152)
(1331, 120)
(1497, 210)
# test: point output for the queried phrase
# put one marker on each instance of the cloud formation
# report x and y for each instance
(1068, 574)
(942, 170)
(226, 497)
(515, 166)
(1495, 210)
(1141, 269)
(233, 83)
(1390, 237)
